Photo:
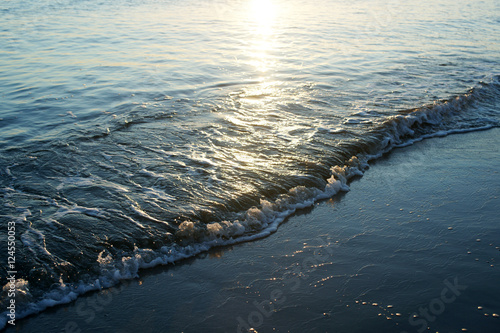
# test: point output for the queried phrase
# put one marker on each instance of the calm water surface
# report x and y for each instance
(137, 133)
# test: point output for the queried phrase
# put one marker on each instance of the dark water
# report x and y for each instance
(139, 133)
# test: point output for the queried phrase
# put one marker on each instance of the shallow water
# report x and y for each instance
(421, 219)
(140, 133)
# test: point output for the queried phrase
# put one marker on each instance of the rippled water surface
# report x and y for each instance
(135, 133)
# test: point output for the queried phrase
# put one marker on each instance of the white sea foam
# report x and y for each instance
(157, 194)
(34, 240)
(75, 209)
(90, 181)
(152, 174)
(259, 221)
(142, 213)
(351, 121)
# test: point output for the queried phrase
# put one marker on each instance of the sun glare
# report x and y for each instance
(263, 14)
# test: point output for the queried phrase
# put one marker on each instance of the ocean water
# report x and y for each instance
(140, 132)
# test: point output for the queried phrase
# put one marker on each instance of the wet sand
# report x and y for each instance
(414, 246)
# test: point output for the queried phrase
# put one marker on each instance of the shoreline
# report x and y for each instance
(325, 261)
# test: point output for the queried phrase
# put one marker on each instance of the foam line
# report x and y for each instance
(259, 222)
